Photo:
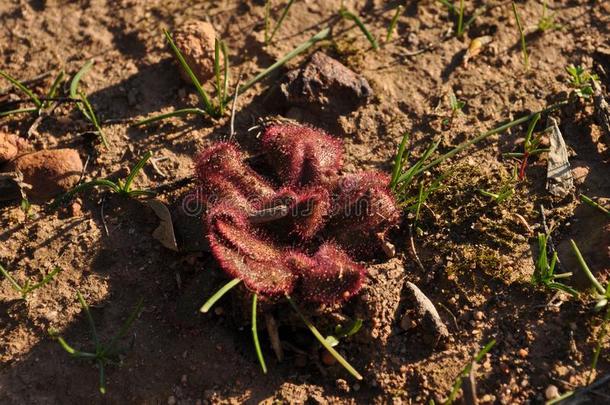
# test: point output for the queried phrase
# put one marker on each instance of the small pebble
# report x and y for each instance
(551, 392)
(327, 358)
(523, 353)
(479, 315)
(171, 400)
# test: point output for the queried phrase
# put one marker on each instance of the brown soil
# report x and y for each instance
(478, 256)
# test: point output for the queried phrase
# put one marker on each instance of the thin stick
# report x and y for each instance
(323, 341)
(257, 344)
(218, 295)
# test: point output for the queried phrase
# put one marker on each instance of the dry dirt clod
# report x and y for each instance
(12, 146)
(325, 84)
(195, 39)
(49, 172)
(434, 328)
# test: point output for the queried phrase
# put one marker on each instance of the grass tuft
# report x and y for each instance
(27, 288)
(102, 354)
(120, 187)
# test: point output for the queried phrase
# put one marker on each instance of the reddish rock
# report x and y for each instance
(11, 146)
(195, 39)
(49, 172)
(325, 84)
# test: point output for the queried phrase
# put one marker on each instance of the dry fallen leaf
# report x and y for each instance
(559, 176)
(164, 233)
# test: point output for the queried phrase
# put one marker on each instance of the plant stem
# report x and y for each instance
(218, 294)
(257, 344)
(324, 342)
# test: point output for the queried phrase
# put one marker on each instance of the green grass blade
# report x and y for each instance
(225, 87)
(593, 204)
(176, 113)
(83, 186)
(257, 345)
(460, 24)
(18, 111)
(74, 93)
(45, 280)
(449, 5)
(217, 73)
(351, 16)
(85, 307)
(138, 193)
(398, 160)
(466, 370)
(90, 114)
(136, 169)
(323, 34)
(522, 37)
(280, 21)
(485, 135)
(54, 87)
(102, 377)
(324, 343)
(205, 98)
(600, 341)
(23, 88)
(124, 328)
(585, 268)
(530, 131)
(10, 278)
(218, 295)
(77, 78)
(393, 23)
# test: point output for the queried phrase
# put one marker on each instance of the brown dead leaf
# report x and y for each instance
(164, 233)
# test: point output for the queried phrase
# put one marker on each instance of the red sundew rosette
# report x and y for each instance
(329, 277)
(363, 211)
(302, 155)
(245, 254)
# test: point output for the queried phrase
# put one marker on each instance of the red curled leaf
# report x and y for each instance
(302, 155)
(329, 277)
(296, 214)
(363, 211)
(244, 254)
(222, 166)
